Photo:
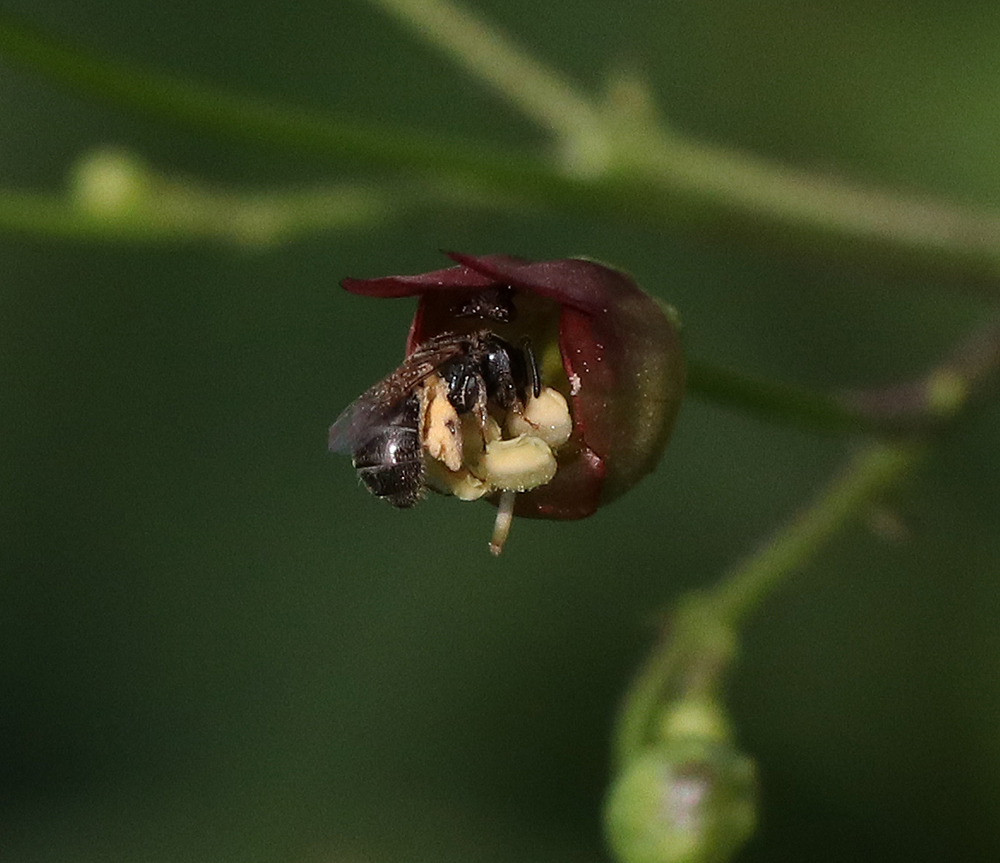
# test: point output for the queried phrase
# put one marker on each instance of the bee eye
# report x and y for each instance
(593, 385)
(465, 385)
(505, 373)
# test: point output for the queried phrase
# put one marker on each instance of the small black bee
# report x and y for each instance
(381, 429)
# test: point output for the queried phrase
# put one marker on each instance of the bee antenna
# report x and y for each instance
(529, 354)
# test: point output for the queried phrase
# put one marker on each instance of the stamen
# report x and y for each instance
(501, 527)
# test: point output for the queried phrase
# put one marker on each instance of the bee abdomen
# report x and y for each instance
(399, 484)
(391, 463)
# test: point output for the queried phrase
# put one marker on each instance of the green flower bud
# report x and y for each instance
(687, 800)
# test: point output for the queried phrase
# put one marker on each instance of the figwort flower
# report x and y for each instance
(550, 387)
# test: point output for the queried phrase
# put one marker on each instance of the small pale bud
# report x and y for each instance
(110, 182)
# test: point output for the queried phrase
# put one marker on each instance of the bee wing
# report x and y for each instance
(356, 424)
(374, 407)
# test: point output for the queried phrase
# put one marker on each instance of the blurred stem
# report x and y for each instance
(699, 642)
(651, 177)
(114, 195)
(869, 473)
(922, 405)
(968, 373)
(693, 649)
(690, 185)
(116, 198)
(774, 400)
(243, 118)
(185, 214)
(537, 91)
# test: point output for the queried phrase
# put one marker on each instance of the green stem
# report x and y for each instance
(693, 648)
(919, 405)
(243, 218)
(869, 473)
(537, 91)
(654, 180)
(245, 118)
(699, 640)
(774, 400)
(778, 207)
(708, 188)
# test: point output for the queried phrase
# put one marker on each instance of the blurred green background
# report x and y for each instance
(214, 646)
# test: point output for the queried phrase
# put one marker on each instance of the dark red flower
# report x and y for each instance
(608, 347)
